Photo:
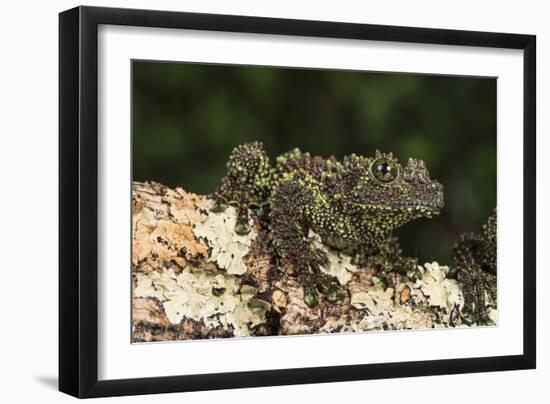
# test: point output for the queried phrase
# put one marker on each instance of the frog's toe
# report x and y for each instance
(218, 207)
(335, 294)
(242, 228)
(311, 298)
(263, 211)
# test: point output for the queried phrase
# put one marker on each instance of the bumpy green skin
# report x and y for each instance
(247, 184)
(353, 205)
(475, 256)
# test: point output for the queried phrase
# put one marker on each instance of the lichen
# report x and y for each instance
(338, 265)
(189, 293)
(196, 277)
(439, 290)
(213, 298)
(227, 247)
(249, 313)
(432, 301)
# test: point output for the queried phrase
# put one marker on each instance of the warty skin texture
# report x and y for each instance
(475, 256)
(353, 205)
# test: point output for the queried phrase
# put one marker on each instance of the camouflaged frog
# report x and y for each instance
(353, 205)
(475, 256)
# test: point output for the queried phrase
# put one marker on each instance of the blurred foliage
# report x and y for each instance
(188, 117)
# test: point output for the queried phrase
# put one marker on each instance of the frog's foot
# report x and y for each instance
(311, 297)
(219, 205)
(318, 283)
(330, 288)
(263, 211)
(333, 294)
(242, 227)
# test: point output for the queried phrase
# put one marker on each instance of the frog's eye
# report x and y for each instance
(384, 170)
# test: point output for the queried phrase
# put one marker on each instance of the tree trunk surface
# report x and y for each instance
(194, 278)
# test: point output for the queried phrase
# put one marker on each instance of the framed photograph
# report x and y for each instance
(251, 201)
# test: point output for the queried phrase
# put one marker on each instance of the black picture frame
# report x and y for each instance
(78, 201)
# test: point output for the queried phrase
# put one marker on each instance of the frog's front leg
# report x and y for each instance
(242, 226)
(246, 185)
(219, 204)
(289, 229)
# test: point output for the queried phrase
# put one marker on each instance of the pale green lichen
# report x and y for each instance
(189, 293)
(214, 299)
(247, 315)
(339, 264)
(440, 290)
(377, 300)
(227, 247)
(432, 301)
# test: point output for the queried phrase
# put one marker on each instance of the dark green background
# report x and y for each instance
(188, 117)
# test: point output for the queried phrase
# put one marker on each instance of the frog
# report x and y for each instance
(353, 205)
(475, 258)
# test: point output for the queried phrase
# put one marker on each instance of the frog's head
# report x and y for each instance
(382, 188)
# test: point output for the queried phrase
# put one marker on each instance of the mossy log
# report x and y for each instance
(194, 278)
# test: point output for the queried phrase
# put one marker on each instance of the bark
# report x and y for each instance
(194, 278)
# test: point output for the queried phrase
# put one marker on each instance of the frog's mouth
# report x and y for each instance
(415, 196)
(425, 200)
(416, 211)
